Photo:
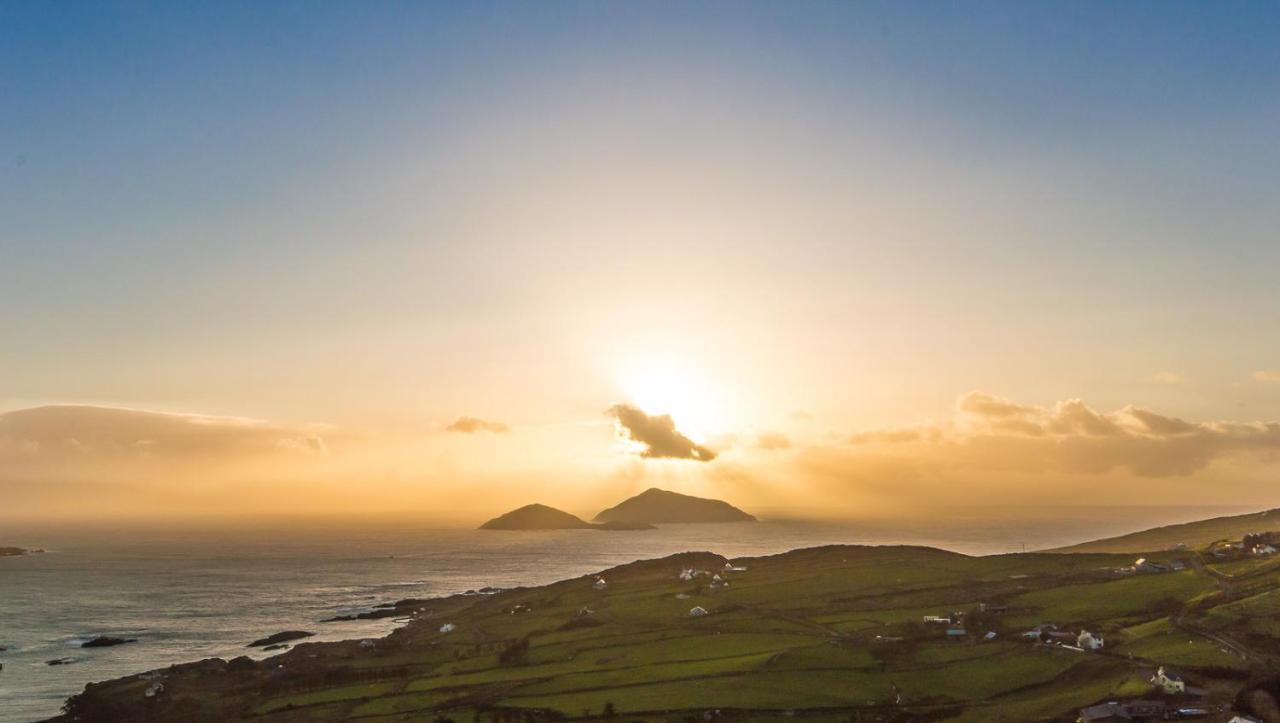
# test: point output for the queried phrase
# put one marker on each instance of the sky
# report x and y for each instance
(442, 259)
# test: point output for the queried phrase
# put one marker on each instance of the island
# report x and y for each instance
(14, 551)
(656, 506)
(542, 517)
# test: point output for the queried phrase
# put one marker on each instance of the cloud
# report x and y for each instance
(993, 433)
(471, 425)
(773, 441)
(658, 434)
(87, 433)
(1167, 378)
(1266, 376)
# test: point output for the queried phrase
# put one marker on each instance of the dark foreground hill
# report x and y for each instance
(1188, 534)
(542, 517)
(655, 506)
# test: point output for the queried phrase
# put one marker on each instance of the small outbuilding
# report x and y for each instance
(697, 611)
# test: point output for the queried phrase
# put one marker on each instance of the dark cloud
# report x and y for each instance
(471, 425)
(658, 434)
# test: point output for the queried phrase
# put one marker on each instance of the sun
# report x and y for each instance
(678, 390)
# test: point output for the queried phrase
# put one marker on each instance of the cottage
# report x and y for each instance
(719, 582)
(990, 635)
(1089, 641)
(937, 619)
(600, 584)
(448, 628)
(697, 611)
(1264, 549)
(686, 575)
(1169, 680)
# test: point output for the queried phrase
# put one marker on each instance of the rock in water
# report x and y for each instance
(282, 637)
(106, 641)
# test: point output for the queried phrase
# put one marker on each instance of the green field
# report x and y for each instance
(827, 633)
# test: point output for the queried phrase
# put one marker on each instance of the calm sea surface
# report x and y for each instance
(193, 594)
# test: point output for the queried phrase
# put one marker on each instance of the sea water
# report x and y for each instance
(187, 594)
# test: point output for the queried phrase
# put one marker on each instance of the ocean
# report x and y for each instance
(188, 593)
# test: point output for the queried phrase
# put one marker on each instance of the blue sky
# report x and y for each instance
(199, 198)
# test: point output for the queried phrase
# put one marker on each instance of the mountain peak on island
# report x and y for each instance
(536, 517)
(542, 517)
(656, 505)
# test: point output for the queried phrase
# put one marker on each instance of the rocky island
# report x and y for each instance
(655, 506)
(542, 517)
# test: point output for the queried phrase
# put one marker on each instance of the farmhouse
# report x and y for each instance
(1169, 680)
(1089, 641)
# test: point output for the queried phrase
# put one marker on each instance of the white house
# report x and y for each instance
(448, 628)
(600, 584)
(1089, 641)
(1169, 680)
(697, 611)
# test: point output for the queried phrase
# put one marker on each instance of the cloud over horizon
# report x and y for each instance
(991, 432)
(471, 425)
(81, 433)
(658, 434)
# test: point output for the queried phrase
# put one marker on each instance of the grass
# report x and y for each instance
(795, 631)
(1094, 603)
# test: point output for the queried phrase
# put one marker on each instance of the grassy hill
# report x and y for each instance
(826, 633)
(1191, 534)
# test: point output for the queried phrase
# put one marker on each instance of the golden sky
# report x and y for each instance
(441, 261)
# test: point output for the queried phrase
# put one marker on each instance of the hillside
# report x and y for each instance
(831, 634)
(542, 517)
(655, 506)
(1191, 534)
